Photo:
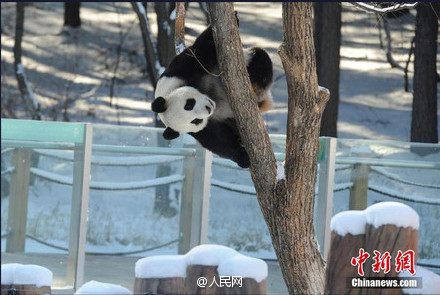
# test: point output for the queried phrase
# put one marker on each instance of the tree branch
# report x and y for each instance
(153, 65)
(382, 10)
(179, 38)
(242, 98)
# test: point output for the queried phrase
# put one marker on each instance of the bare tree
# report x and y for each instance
(424, 112)
(286, 202)
(327, 43)
(31, 103)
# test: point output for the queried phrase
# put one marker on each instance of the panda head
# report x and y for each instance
(183, 110)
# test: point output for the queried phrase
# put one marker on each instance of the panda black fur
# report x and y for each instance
(191, 98)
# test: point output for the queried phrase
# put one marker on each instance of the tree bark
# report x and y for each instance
(327, 45)
(287, 204)
(165, 32)
(32, 105)
(179, 39)
(71, 14)
(424, 112)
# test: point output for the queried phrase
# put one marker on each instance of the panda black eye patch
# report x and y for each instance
(197, 121)
(190, 103)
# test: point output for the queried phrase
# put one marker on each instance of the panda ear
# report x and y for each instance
(170, 134)
(158, 105)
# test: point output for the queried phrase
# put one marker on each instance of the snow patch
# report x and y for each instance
(280, 170)
(320, 88)
(161, 266)
(173, 14)
(363, 150)
(95, 287)
(180, 48)
(228, 261)
(430, 282)
(8, 273)
(244, 266)
(209, 254)
(394, 213)
(26, 274)
(349, 222)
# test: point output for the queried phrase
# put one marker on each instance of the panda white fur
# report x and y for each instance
(191, 98)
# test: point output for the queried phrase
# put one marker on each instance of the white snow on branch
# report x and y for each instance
(160, 69)
(21, 72)
(373, 8)
(180, 48)
(173, 14)
(280, 170)
(323, 89)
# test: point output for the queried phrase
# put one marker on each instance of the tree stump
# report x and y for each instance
(175, 286)
(151, 272)
(387, 232)
(347, 237)
(25, 279)
(248, 286)
(30, 290)
(194, 273)
(206, 269)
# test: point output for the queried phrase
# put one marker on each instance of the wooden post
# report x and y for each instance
(383, 227)
(359, 177)
(18, 200)
(209, 272)
(175, 286)
(30, 290)
(248, 286)
(347, 237)
(390, 238)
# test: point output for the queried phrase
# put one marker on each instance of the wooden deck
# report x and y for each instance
(113, 269)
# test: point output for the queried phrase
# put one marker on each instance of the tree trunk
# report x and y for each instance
(287, 204)
(424, 113)
(71, 14)
(32, 105)
(327, 44)
(151, 56)
(165, 32)
(179, 39)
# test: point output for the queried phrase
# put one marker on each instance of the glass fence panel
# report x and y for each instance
(35, 224)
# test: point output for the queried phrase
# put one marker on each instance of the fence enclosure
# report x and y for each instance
(23, 138)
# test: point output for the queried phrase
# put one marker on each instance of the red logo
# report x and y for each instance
(403, 261)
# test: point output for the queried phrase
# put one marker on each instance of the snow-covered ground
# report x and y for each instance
(75, 71)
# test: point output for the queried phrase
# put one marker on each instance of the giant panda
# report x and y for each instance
(191, 98)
